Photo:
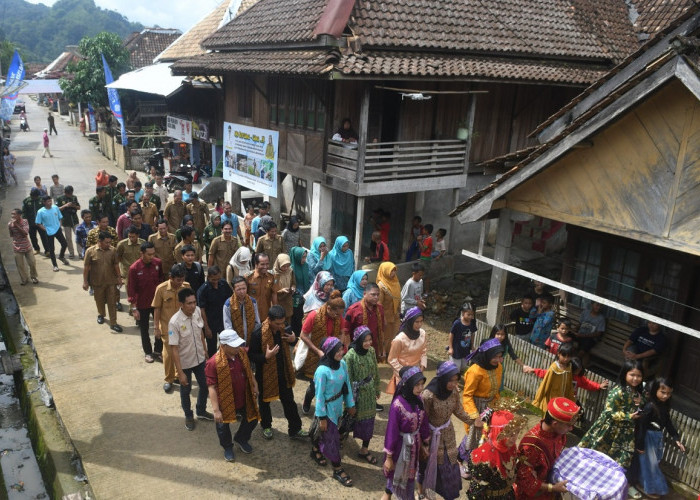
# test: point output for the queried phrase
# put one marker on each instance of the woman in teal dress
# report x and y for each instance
(364, 379)
(341, 262)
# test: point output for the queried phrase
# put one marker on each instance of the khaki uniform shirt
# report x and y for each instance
(261, 288)
(128, 253)
(164, 250)
(197, 251)
(165, 298)
(200, 214)
(223, 250)
(271, 247)
(150, 213)
(174, 213)
(102, 263)
(186, 332)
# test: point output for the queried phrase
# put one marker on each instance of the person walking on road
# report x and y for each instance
(19, 231)
(52, 123)
(101, 272)
(189, 349)
(144, 277)
(68, 204)
(48, 220)
(233, 391)
(30, 206)
(46, 141)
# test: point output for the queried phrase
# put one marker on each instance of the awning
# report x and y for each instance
(153, 79)
(41, 87)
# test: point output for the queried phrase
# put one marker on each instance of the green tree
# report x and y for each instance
(88, 82)
(7, 50)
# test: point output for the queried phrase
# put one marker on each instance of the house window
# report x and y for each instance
(621, 279)
(297, 104)
(245, 98)
(586, 268)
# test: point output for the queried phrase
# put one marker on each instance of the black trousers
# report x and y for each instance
(212, 343)
(145, 337)
(289, 406)
(51, 246)
(33, 229)
(245, 429)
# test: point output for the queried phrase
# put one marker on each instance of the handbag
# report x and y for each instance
(298, 299)
(346, 424)
(300, 353)
(315, 431)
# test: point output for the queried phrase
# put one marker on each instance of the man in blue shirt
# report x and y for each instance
(48, 220)
(229, 216)
(255, 225)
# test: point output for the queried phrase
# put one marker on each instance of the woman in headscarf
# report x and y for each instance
(409, 347)
(284, 285)
(263, 227)
(493, 463)
(332, 393)
(239, 265)
(440, 474)
(364, 378)
(319, 292)
(317, 258)
(406, 431)
(481, 383)
(390, 299)
(356, 288)
(291, 234)
(301, 278)
(319, 324)
(341, 262)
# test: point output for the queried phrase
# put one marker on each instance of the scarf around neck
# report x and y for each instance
(237, 317)
(270, 387)
(227, 404)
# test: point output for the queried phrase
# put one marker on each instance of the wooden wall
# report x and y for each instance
(640, 178)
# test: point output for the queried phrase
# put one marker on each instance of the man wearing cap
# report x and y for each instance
(540, 448)
(233, 392)
(274, 371)
(198, 211)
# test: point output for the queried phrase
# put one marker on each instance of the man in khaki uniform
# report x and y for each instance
(149, 207)
(270, 243)
(260, 284)
(223, 247)
(129, 251)
(164, 243)
(165, 305)
(187, 234)
(199, 213)
(174, 212)
(101, 272)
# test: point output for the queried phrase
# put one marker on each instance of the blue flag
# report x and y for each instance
(15, 74)
(114, 103)
(91, 114)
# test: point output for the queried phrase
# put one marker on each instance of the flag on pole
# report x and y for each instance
(15, 75)
(91, 114)
(114, 103)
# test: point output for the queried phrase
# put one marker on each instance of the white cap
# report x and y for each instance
(230, 338)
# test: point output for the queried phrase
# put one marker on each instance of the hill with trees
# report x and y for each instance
(41, 33)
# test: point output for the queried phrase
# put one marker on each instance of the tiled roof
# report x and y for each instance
(270, 22)
(592, 29)
(390, 64)
(294, 62)
(188, 45)
(146, 45)
(655, 15)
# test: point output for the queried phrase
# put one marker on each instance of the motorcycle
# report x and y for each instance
(23, 126)
(155, 161)
(178, 178)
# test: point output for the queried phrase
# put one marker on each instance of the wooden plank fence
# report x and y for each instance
(684, 467)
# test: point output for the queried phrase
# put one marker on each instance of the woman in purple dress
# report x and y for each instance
(407, 435)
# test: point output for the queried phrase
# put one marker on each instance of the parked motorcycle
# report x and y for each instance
(156, 161)
(177, 178)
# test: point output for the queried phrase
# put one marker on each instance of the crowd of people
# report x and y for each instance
(247, 311)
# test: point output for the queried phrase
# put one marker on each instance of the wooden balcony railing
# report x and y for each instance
(387, 161)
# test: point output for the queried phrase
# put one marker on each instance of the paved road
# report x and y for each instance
(129, 433)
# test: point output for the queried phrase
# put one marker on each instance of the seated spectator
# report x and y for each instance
(646, 343)
(379, 251)
(346, 133)
(440, 247)
(589, 332)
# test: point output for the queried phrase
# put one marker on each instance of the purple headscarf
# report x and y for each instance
(408, 319)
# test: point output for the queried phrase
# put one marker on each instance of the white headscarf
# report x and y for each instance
(241, 261)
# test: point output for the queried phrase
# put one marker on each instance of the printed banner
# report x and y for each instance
(15, 74)
(179, 129)
(93, 122)
(200, 130)
(250, 157)
(114, 103)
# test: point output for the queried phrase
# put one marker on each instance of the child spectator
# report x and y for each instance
(416, 231)
(521, 316)
(247, 222)
(379, 251)
(650, 441)
(461, 337)
(561, 335)
(538, 290)
(425, 244)
(499, 332)
(412, 291)
(56, 188)
(440, 244)
(590, 331)
(557, 382)
(544, 321)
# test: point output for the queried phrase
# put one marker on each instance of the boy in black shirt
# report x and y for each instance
(521, 317)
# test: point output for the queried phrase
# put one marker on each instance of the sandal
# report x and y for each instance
(369, 457)
(633, 492)
(318, 457)
(464, 472)
(341, 476)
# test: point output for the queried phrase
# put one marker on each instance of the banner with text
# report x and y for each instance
(179, 129)
(15, 74)
(250, 157)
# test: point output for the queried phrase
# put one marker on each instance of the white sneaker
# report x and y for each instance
(55, 269)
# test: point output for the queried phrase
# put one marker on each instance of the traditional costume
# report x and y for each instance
(409, 348)
(441, 472)
(557, 382)
(364, 379)
(340, 264)
(538, 451)
(284, 280)
(355, 290)
(406, 429)
(316, 265)
(315, 297)
(613, 431)
(390, 299)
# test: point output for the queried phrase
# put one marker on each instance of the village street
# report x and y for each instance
(129, 433)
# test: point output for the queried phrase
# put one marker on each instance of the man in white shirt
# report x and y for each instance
(161, 191)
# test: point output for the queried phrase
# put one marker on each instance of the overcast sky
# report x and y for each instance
(181, 14)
